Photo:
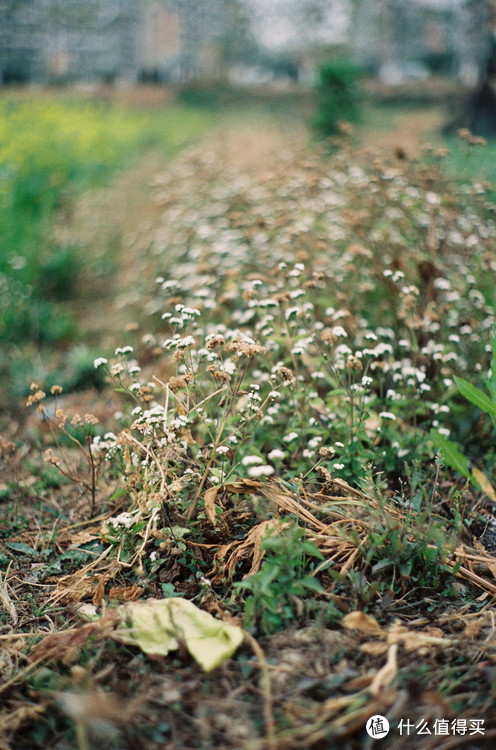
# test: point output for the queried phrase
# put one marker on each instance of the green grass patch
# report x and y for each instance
(471, 162)
(51, 148)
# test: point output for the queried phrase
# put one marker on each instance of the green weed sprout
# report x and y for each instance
(487, 404)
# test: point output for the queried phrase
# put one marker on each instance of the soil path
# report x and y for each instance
(409, 131)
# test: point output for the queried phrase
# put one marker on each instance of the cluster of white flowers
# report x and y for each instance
(123, 520)
(320, 359)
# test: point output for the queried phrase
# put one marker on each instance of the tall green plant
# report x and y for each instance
(338, 96)
(487, 404)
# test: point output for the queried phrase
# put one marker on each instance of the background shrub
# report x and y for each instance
(338, 96)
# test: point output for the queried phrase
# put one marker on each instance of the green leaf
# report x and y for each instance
(491, 381)
(24, 549)
(311, 583)
(119, 492)
(450, 453)
(476, 396)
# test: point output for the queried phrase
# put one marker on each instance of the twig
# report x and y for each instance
(266, 690)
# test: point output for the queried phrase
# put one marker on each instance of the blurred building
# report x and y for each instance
(401, 39)
(45, 41)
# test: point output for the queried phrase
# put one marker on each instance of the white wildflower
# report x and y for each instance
(276, 454)
(260, 471)
(290, 436)
(251, 460)
(222, 449)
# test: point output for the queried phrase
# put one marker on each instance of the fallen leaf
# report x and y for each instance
(73, 587)
(158, 626)
(98, 710)
(209, 499)
(66, 643)
(374, 648)
(99, 591)
(485, 484)
(235, 552)
(362, 622)
(358, 683)
(80, 537)
(126, 593)
(416, 641)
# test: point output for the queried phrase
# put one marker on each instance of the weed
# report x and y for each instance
(484, 403)
(274, 597)
(76, 431)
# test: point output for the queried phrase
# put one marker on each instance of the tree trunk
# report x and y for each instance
(477, 112)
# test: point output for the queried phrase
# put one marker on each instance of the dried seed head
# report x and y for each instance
(328, 336)
(175, 383)
(215, 341)
(245, 349)
(35, 397)
(285, 374)
(324, 473)
(325, 452)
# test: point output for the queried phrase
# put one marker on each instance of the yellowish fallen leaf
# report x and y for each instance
(157, 626)
(374, 648)
(126, 593)
(362, 622)
(209, 499)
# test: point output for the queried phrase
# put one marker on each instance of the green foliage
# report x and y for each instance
(50, 149)
(451, 454)
(408, 553)
(57, 275)
(476, 396)
(484, 403)
(338, 96)
(469, 163)
(275, 592)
